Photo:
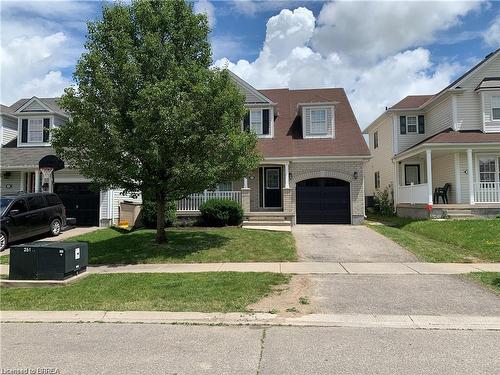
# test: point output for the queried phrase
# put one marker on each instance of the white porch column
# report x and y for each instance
(37, 181)
(470, 175)
(23, 181)
(428, 155)
(245, 183)
(287, 175)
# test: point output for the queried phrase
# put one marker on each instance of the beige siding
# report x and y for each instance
(405, 141)
(443, 171)
(10, 184)
(439, 117)
(381, 158)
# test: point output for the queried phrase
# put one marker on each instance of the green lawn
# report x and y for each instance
(476, 240)
(204, 292)
(229, 244)
(4, 259)
(489, 279)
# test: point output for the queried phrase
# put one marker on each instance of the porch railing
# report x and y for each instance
(194, 201)
(413, 194)
(487, 192)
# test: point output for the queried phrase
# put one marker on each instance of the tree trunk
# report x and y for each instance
(160, 218)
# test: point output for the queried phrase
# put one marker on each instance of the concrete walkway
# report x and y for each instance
(454, 322)
(347, 243)
(415, 268)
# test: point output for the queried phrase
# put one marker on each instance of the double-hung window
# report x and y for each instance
(35, 130)
(375, 140)
(495, 107)
(488, 169)
(256, 121)
(318, 122)
(411, 123)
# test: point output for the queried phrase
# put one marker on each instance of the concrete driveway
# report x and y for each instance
(347, 243)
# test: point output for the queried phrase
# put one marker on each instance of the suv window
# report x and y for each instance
(19, 205)
(36, 202)
(53, 200)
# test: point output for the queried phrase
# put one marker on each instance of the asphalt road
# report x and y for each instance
(174, 349)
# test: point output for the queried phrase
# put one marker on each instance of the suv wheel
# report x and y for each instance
(3, 240)
(55, 227)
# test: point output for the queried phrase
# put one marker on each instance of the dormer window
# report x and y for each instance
(318, 120)
(34, 131)
(260, 121)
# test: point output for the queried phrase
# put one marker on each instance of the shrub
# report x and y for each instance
(148, 213)
(384, 201)
(220, 212)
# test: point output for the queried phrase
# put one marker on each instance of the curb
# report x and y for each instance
(425, 322)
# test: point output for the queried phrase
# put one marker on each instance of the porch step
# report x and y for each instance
(263, 223)
(459, 213)
(266, 218)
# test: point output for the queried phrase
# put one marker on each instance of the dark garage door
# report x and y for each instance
(323, 201)
(80, 202)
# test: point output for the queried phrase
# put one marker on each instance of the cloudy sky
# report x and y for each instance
(378, 51)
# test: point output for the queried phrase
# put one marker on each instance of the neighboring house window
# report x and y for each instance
(495, 107)
(256, 121)
(411, 123)
(375, 140)
(318, 122)
(487, 169)
(377, 180)
(35, 130)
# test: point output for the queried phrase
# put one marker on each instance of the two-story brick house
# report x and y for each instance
(447, 140)
(312, 169)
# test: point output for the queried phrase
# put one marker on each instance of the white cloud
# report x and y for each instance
(290, 58)
(492, 35)
(206, 7)
(40, 42)
(367, 31)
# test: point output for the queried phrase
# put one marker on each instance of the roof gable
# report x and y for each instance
(252, 95)
(33, 105)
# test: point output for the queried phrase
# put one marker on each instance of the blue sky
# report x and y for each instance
(378, 51)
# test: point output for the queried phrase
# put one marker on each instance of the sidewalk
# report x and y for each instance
(300, 268)
(434, 322)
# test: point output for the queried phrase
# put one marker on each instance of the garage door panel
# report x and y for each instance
(80, 202)
(323, 201)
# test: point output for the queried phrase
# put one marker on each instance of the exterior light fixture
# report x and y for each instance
(355, 175)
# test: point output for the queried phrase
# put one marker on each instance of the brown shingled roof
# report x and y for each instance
(472, 136)
(288, 141)
(412, 102)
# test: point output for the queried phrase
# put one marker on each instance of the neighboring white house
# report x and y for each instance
(448, 139)
(312, 169)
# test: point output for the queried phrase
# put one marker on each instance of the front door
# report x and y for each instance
(271, 187)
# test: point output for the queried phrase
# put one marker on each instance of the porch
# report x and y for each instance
(466, 176)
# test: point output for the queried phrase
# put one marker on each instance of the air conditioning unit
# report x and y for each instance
(47, 260)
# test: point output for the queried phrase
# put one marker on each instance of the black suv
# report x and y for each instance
(27, 215)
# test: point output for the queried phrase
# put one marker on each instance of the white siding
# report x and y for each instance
(381, 158)
(469, 103)
(68, 176)
(9, 129)
(117, 197)
(439, 117)
(464, 177)
(443, 172)
(490, 125)
(405, 141)
(59, 120)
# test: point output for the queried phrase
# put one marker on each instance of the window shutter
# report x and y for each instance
(402, 124)
(265, 121)
(421, 124)
(246, 122)
(24, 130)
(46, 127)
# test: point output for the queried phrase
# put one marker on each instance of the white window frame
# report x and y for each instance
(324, 123)
(39, 132)
(496, 157)
(408, 125)
(30, 142)
(260, 129)
(495, 106)
(328, 134)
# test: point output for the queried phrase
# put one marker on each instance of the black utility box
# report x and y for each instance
(46, 260)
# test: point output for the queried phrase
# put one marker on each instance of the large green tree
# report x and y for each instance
(148, 113)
